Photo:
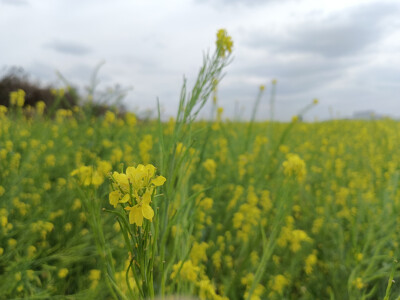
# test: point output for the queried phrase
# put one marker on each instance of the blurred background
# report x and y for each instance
(345, 53)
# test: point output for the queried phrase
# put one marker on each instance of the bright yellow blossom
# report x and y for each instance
(187, 271)
(224, 43)
(62, 273)
(294, 166)
(141, 210)
(135, 189)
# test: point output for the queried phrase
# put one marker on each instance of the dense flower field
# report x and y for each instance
(113, 207)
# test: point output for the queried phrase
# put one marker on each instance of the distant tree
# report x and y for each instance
(16, 78)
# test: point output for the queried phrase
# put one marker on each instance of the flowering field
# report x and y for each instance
(113, 207)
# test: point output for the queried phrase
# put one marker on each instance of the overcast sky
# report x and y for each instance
(345, 53)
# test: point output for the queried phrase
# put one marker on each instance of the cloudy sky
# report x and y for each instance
(345, 53)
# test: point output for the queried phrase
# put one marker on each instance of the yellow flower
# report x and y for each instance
(311, 261)
(88, 176)
(114, 198)
(211, 166)
(12, 243)
(359, 257)
(135, 188)
(21, 98)
(63, 273)
(31, 251)
(187, 271)
(141, 210)
(358, 282)
(141, 176)
(68, 227)
(40, 106)
(278, 283)
(77, 204)
(94, 275)
(30, 274)
(130, 119)
(224, 43)
(50, 160)
(294, 165)
(3, 109)
(198, 252)
(109, 117)
(18, 276)
(17, 98)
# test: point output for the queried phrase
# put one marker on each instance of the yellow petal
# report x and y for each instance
(130, 170)
(150, 169)
(113, 198)
(97, 179)
(147, 197)
(140, 168)
(122, 180)
(125, 199)
(135, 216)
(147, 211)
(158, 181)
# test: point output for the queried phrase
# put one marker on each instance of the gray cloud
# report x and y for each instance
(42, 70)
(347, 58)
(14, 2)
(69, 48)
(239, 2)
(334, 58)
(297, 75)
(337, 35)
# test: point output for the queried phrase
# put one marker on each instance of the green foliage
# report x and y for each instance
(256, 210)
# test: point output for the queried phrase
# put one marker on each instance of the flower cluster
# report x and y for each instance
(17, 98)
(88, 175)
(134, 190)
(294, 166)
(224, 43)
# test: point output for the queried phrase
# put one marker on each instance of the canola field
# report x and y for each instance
(114, 207)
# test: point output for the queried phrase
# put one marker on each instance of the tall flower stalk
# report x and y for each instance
(132, 196)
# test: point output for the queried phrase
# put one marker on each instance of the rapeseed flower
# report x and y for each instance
(141, 210)
(224, 43)
(210, 165)
(198, 252)
(3, 110)
(278, 283)
(88, 176)
(31, 251)
(62, 273)
(294, 166)
(94, 277)
(40, 106)
(17, 98)
(311, 261)
(187, 272)
(134, 189)
(358, 283)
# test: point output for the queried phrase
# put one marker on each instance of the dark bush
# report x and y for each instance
(17, 78)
